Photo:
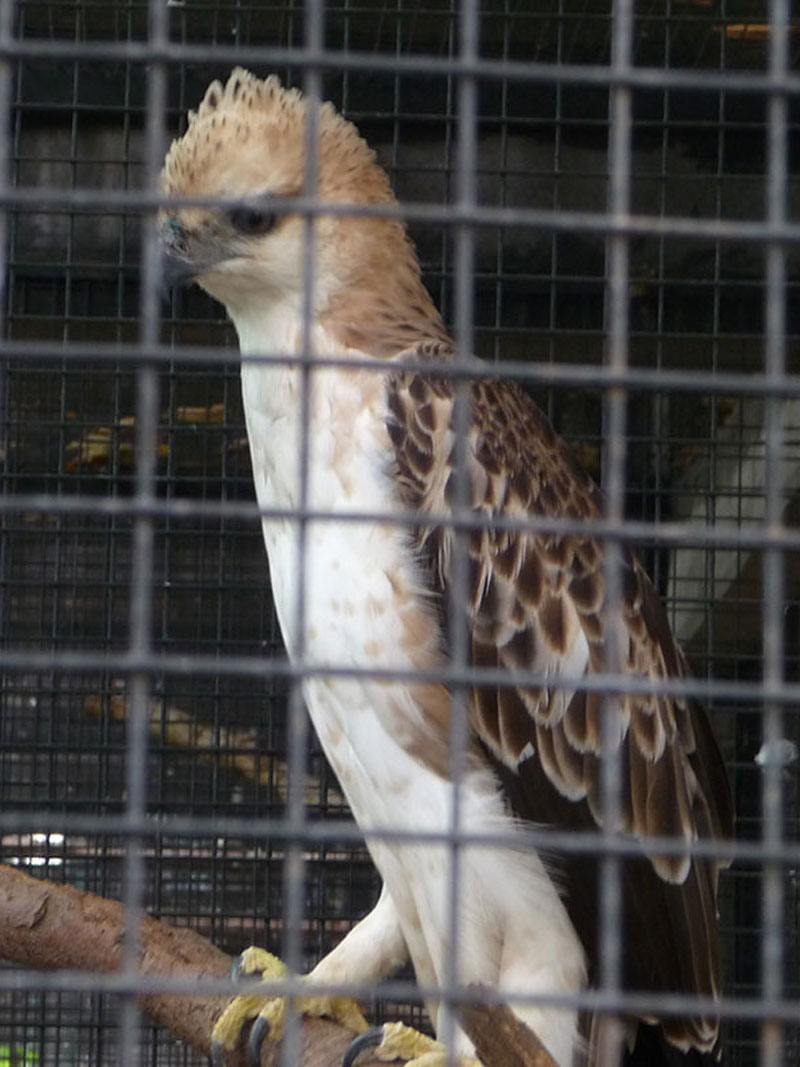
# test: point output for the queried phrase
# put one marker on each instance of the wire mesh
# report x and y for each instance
(644, 195)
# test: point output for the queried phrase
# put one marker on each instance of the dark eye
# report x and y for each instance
(250, 220)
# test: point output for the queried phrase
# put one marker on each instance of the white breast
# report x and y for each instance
(346, 563)
(514, 930)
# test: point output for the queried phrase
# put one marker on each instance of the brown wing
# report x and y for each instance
(537, 602)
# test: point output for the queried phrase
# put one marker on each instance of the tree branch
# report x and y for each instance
(46, 926)
(500, 1038)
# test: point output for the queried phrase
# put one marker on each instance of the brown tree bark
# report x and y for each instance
(501, 1039)
(45, 926)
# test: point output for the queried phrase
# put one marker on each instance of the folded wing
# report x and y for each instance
(536, 602)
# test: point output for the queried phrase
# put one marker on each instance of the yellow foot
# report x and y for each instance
(269, 1012)
(396, 1041)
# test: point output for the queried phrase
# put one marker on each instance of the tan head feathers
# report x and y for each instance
(248, 136)
(247, 141)
(244, 91)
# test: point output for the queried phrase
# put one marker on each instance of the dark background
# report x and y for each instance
(217, 741)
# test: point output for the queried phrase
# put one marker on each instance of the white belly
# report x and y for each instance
(358, 578)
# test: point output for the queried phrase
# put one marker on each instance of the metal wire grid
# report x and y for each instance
(128, 482)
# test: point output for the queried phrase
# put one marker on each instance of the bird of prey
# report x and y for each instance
(380, 442)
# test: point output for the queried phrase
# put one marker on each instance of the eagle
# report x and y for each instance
(384, 455)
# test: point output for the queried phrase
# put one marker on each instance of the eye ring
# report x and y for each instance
(252, 221)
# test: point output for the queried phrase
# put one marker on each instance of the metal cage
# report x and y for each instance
(605, 200)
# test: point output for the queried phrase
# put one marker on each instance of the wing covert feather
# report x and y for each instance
(537, 602)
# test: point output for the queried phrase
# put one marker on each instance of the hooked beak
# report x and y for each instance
(176, 270)
(179, 266)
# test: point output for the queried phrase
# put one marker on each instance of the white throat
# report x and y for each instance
(269, 328)
(344, 420)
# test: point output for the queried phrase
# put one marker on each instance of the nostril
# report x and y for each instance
(171, 230)
(173, 237)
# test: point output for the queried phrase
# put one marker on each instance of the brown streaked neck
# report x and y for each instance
(386, 309)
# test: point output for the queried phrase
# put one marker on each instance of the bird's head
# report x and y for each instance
(247, 140)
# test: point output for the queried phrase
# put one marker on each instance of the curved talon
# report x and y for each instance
(218, 1051)
(370, 1039)
(259, 1032)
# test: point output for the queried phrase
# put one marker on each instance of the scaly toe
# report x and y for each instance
(241, 1009)
(393, 1041)
(255, 960)
(269, 1012)
(396, 1041)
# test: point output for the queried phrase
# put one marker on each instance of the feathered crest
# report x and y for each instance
(243, 92)
(256, 117)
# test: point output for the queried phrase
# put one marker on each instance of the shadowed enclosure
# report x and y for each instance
(133, 578)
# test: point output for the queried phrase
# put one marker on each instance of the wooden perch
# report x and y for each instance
(500, 1038)
(45, 926)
